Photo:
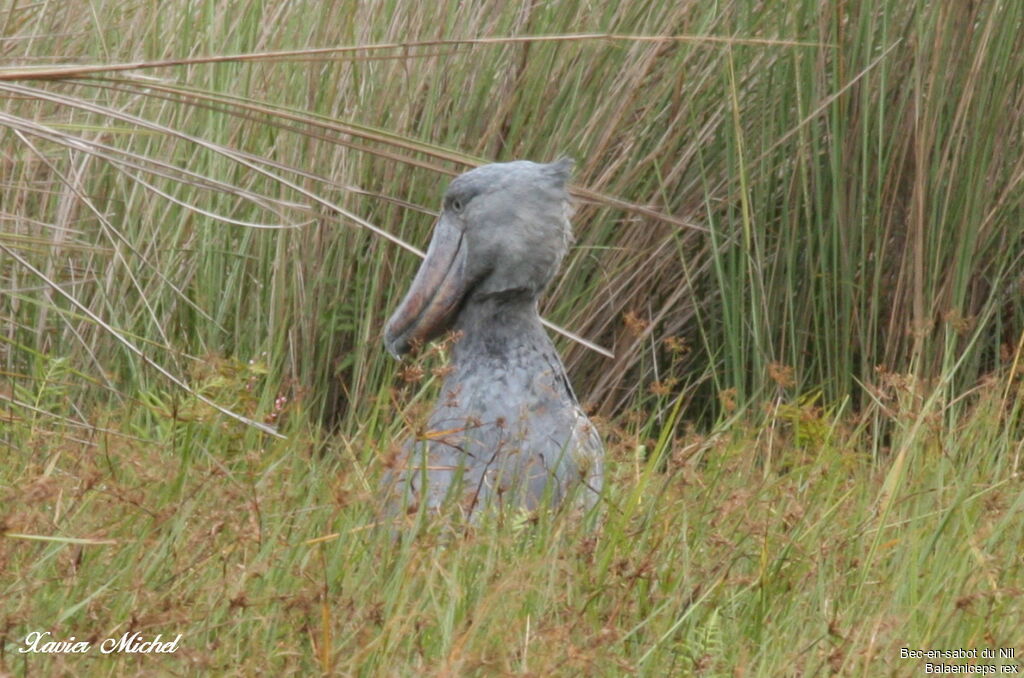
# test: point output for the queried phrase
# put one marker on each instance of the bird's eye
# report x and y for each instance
(456, 205)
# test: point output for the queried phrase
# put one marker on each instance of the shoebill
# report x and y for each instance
(507, 427)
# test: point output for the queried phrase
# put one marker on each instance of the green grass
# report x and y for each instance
(799, 230)
(741, 551)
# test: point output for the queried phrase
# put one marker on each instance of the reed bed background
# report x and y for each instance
(799, 231)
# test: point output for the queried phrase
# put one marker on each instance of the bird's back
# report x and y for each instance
(507, 429)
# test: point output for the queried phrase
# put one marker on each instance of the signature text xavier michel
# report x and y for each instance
(39, 641)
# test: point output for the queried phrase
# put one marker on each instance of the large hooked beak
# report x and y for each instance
(431, 303)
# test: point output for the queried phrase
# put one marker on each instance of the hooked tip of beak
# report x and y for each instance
(394, 346)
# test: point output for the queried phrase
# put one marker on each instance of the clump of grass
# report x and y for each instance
(748, 553)
(834, 188)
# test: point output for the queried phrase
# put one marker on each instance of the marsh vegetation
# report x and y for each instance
(799, 230)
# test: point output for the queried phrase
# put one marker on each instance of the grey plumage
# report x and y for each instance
(507, 427)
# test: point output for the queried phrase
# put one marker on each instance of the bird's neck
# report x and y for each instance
(496, 326)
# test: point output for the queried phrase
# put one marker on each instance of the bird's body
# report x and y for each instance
(507, 427)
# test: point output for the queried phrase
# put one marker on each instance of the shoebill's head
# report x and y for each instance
(504, 229)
